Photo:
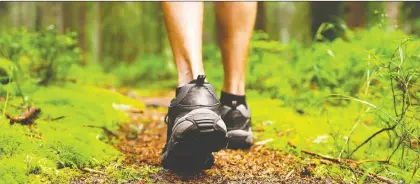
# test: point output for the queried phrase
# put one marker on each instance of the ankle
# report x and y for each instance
(232, 99)
(234, 86)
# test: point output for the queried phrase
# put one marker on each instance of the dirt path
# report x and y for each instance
(257, 165)
(142, 140)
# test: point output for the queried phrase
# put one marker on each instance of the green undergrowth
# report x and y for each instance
(324, 130)
(67, 136)
(71, 134)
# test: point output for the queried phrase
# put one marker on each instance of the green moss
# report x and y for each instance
(10, 143)
(13, 170)
(118, 174)
(71, 142)
(65, 175)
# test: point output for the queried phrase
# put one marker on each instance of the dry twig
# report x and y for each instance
(106, 130)
(93, 171)
(54, 119)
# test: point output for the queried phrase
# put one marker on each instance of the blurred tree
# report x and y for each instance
(4, 18)
(15, 13)
(324, 12)
(354, 14)
(68, 16)
(38, 16)
(289, 20)
(59, 15)
(110, 32)
(261, 17)
(160, 30)
(96, 35)
(28, 15)
(82, 30)
(410, 17)
(393, 10)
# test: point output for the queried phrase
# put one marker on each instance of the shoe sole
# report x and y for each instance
(195, 136)
(240, 139)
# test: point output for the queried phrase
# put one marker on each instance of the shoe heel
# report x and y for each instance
(240, 139)
(196, 135)
(211, 135)
(208, 134)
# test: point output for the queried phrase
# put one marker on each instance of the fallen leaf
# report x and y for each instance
(264, 142)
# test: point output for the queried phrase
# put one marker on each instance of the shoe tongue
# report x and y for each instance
(200, 80)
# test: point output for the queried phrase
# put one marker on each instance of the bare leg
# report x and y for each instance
(235, 21)
(184, 23)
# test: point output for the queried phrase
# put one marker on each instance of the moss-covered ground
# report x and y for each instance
(69, 142)
(66, 138)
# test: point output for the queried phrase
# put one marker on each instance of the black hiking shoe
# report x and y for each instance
(238, 123)
(195, 128)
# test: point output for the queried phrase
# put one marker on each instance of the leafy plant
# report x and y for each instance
(43, 56)
(148, 68)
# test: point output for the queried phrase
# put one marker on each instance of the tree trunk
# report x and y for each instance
(160, 30)
(4, 15)
(354, 14)
(82, 30)
(68, 16)
(393, 10)
(15, 13)
(27, 15)
(96, 36)
(39, 16)
(291, 21)
(261, 22)
(59, 16)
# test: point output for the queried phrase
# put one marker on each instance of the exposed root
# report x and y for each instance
(26, 118)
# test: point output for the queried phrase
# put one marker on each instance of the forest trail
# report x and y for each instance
(257, 165)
